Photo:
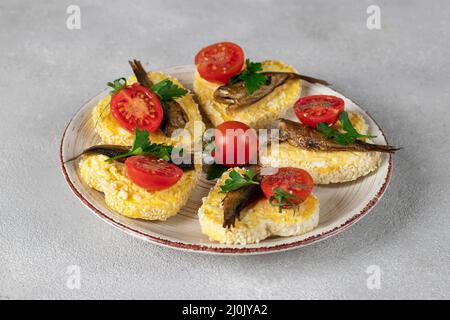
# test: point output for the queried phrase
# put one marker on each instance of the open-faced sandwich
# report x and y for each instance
(140, 181)
(134, 167)
(245, 207)
(330, 143)
(230, 87)
(152, 101)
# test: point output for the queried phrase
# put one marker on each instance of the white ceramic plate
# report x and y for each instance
(341, 205)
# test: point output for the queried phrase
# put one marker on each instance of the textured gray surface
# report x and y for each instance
(400, 74)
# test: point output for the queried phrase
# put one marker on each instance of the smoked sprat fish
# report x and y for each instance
(174, 115)
(302, 136)
(108, 150)
(236, 95)
(235, 201)
(112, 151)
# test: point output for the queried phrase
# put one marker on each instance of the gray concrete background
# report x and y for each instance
(400, 74)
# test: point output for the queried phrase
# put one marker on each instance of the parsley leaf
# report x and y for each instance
(215, 171)
(142, 146)
(140, 139)
(346, 138)
(280, 198)
(252, 80)
(167, 90)
(236, 180)
(253, 67)
(348, 127)
(117, 85)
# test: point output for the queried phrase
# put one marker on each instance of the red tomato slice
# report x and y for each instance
(220, 61)
(136, 106)
(293, 180)
(236, 144)
(313, 110)
(151, 173)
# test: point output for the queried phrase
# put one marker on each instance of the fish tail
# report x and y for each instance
(313, 80)
(140, 73)
(379, 148)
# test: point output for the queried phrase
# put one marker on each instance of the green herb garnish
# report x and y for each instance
(117, 85)
(236, 180)
(167, 90)
(346, 138)
(280, 198)
(142, 146)
(252, 80)
(215, 171)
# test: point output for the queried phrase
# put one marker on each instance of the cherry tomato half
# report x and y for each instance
(293, 180)
(236, 144)
(313, 110)
(151, 173)
(136, 106)
(220, 61)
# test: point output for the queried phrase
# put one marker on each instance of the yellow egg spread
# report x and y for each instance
(130, 200)
(257, 115)
(326, 166)
(257, 221)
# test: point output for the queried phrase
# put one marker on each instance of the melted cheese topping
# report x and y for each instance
(257, 115)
